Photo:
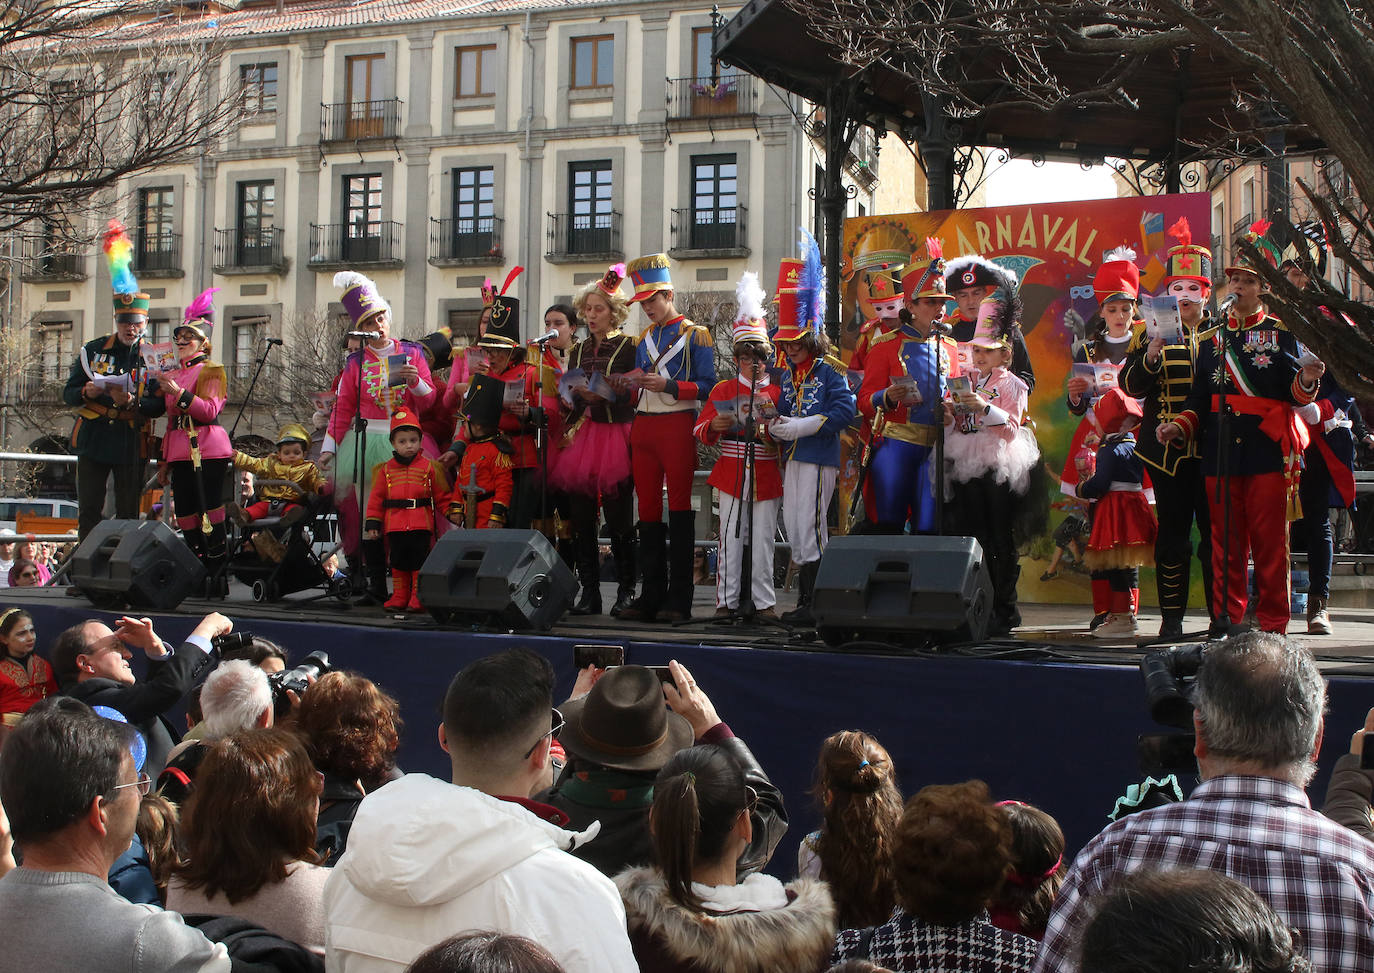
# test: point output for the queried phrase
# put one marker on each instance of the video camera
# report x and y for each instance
(1169, 675)
(296, 679)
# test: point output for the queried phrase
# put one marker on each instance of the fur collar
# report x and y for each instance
(796, 936)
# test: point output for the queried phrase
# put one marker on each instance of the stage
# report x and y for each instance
(1048, 717)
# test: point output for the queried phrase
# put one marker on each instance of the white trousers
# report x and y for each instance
(733, 511)
(807, 489)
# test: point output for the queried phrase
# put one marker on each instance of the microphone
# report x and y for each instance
(940, 326)
(1225, 305)
(545, 338)
(272, 341)
(365, 335)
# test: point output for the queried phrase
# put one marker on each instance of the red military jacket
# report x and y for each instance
(728, 473)
(405, 496)
(486, 461)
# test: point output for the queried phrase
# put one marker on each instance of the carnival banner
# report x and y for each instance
(1054, 249)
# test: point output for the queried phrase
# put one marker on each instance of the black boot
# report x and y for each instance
(567, 550)
(588, 573)
(653, 554)
(375, 567)
(806, 584)
(623, 550)
(682, 537)
(216, 557)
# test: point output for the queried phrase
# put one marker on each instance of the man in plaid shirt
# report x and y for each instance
(1258, 704)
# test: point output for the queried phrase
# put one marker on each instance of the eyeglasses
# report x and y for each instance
(144, 784)
(558, 722)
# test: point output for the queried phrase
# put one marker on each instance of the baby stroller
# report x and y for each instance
(276, 559)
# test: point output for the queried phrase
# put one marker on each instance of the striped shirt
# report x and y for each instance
(1317, 875)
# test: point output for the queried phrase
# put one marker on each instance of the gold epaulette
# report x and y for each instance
(885, 336)
(701, 336)
(1139, 339)
(836, 364)
(1208, 334)
(211, 375)
(378, 468)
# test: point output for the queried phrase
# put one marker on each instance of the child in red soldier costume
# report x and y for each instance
(1117, 287)
(482, 488)
(1124, 527)
(506, 362)
(989, 456)
(675, 360)
(287, 463)
(735, 413)
(407, 490)
(196, 447)
(885, 297)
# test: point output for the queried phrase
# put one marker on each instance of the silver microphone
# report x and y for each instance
(365, 335)
(1225, 305)
(545, 338)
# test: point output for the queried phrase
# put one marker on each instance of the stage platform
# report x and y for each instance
(1049, 717)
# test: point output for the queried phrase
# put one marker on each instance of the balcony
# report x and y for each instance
(465, 242)
(1242, 225)
(343, 246)
(157, 254)
(360, 121)
(46, 261)
(249, 251)
(714, 233)
(584, 238)
(727, 95)
(42, 385)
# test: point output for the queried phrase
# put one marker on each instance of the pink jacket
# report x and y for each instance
(206, 381)
(379, 400)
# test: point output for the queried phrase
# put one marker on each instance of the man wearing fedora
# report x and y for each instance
(617, 737)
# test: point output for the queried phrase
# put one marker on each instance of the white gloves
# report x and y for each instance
(788, 429)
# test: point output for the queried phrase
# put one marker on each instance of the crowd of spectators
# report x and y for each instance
(627, 829)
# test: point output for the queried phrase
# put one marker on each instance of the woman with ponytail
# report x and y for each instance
(1037, 870)
(857, 790)
(691, 912)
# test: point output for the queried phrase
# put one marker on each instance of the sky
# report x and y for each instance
(1020, 182)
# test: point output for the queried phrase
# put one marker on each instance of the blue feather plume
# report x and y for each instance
(811, 285)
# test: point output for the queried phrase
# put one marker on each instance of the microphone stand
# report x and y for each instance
(359, 476)
(937, 411)
(247, 396)
(1223, 484)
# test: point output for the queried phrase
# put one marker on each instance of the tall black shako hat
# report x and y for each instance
(504, 330)
(484, 400)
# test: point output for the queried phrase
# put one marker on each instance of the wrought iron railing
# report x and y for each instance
(709, 229)
(244, 248)
(156, 251)
(42, 259)
(359, 242)
(728, 94)
(591, 235)
(355, 120)
(465, 239)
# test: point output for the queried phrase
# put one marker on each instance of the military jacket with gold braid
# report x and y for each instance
(1164, 388)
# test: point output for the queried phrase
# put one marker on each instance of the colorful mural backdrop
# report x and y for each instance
(1054, 248)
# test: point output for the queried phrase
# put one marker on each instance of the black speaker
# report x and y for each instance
(143, 563)
(499, 578)
(902, 589)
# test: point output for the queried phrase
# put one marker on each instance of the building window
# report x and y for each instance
(366, 111)
(55, 349)
(715, 202)
(155, 248)
(362, 217)
(590, 206)
(593, 62)
(258, 88)
(476, 72)
(162, 89)
(159, 330)
(255, 216)
(244, 332)
(474, 211)
(463, 327)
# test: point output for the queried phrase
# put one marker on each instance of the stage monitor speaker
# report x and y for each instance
(142, 563)
(905, 590)
(498, 578)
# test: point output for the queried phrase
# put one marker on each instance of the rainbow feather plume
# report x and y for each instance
(119, 251)
(811, 285)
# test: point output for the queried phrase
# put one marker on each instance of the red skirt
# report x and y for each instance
(597, 461)
(1123, 534)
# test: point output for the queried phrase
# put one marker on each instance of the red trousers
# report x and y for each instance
(1258, 521)
(662, 447)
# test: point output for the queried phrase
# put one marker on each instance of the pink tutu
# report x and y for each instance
(596, 462)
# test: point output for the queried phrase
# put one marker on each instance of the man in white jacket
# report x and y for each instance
(427, 860)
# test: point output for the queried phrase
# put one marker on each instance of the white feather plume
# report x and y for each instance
(1120, 253)
(750, 297)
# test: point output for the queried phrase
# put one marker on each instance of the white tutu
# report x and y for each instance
(970, 455)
